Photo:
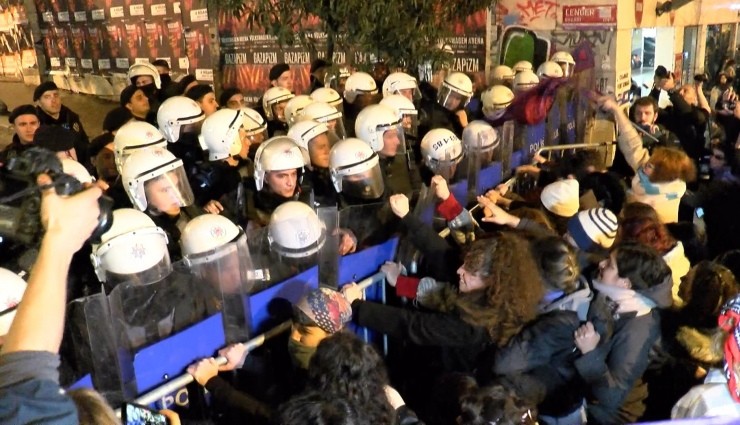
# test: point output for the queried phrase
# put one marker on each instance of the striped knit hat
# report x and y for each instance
(595, 226)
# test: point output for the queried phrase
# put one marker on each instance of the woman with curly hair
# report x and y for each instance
(346, 367)
(500, 291)
(648, 230)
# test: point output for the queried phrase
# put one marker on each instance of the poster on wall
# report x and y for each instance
(469, 47)
(16, 40)
(197, 40)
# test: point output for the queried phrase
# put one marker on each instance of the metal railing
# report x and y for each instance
(183, 380)
(549, 150)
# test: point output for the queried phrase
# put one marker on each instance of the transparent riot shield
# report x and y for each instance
(95, 348)
(284, 248)
(329, 253)
(473, 158)
(226, 270)
(506, 131)
(142, 315)
(371, 224)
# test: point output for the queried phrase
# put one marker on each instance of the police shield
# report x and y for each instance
(143, 314)
(328, 258)
(371, 224)
(288, 245)
(226, 270)
(506, 131)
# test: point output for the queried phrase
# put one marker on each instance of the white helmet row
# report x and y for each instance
(133, 249)
(503, 74)
(524, 81)
(549, 69)
(400, 82)
(456, 91)
(480, 136)
(441, 150)
(177, 115)
(495, 100)
(327, 114)
(357, 84)
(566, 62)
(373, 121)
(276, 154)
(135, 135)
(295, 230)
(295, 107)
(254, 125)
(327, 95)
(145, 68)
(145, 166)
(522, 66)
(273, 97)
(221, 134)
(355, 169)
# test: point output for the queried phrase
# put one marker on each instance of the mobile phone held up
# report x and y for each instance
(135, 414)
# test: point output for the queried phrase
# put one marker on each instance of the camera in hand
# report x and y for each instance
(20, 196)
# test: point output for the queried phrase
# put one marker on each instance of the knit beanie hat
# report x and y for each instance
(595, 226)
(43, 88)
(561, 197)
(127, 94)
(328, 308)
(277, 70)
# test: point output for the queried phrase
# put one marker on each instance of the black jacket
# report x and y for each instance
(461, 342)
(687, 122)
(70, 121)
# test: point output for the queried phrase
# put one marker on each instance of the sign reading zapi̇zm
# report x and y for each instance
(588, 16)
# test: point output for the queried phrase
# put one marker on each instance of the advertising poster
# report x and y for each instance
(175, 37)
(197, 40)
(469, 47)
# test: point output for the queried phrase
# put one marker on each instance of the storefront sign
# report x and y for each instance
(590, 15)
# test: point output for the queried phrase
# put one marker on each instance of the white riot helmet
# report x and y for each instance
(522, 66)
(327, 114)
(441, 151)
(178, 115)
(221, 134)
(398, 81)
(371, 126)
(135, 135)
(304, 132)
(328, 95)
(295, 106)
(134, 249)
(273, 97)
(503, 74)
(215, 249)
(276, 154)
(524, 81)
(76, 170)
(162, 173)
(495, 100)
(479, 135)
(254, 126)
(550, 69)
(359, 83)
(295, 230)
(144, 68)
(455, 92)
(337, 79)
(405, 111)
(355, 169)
(12, 288)
(566, 62)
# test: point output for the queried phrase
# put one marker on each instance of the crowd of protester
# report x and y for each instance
(605, 292)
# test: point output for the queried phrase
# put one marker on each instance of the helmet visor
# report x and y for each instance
(394, 139)
(367, 184)
(445, 167)
(450, 99)
(568, 68)
(226, 267)
(167, 190)
(336, 127)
